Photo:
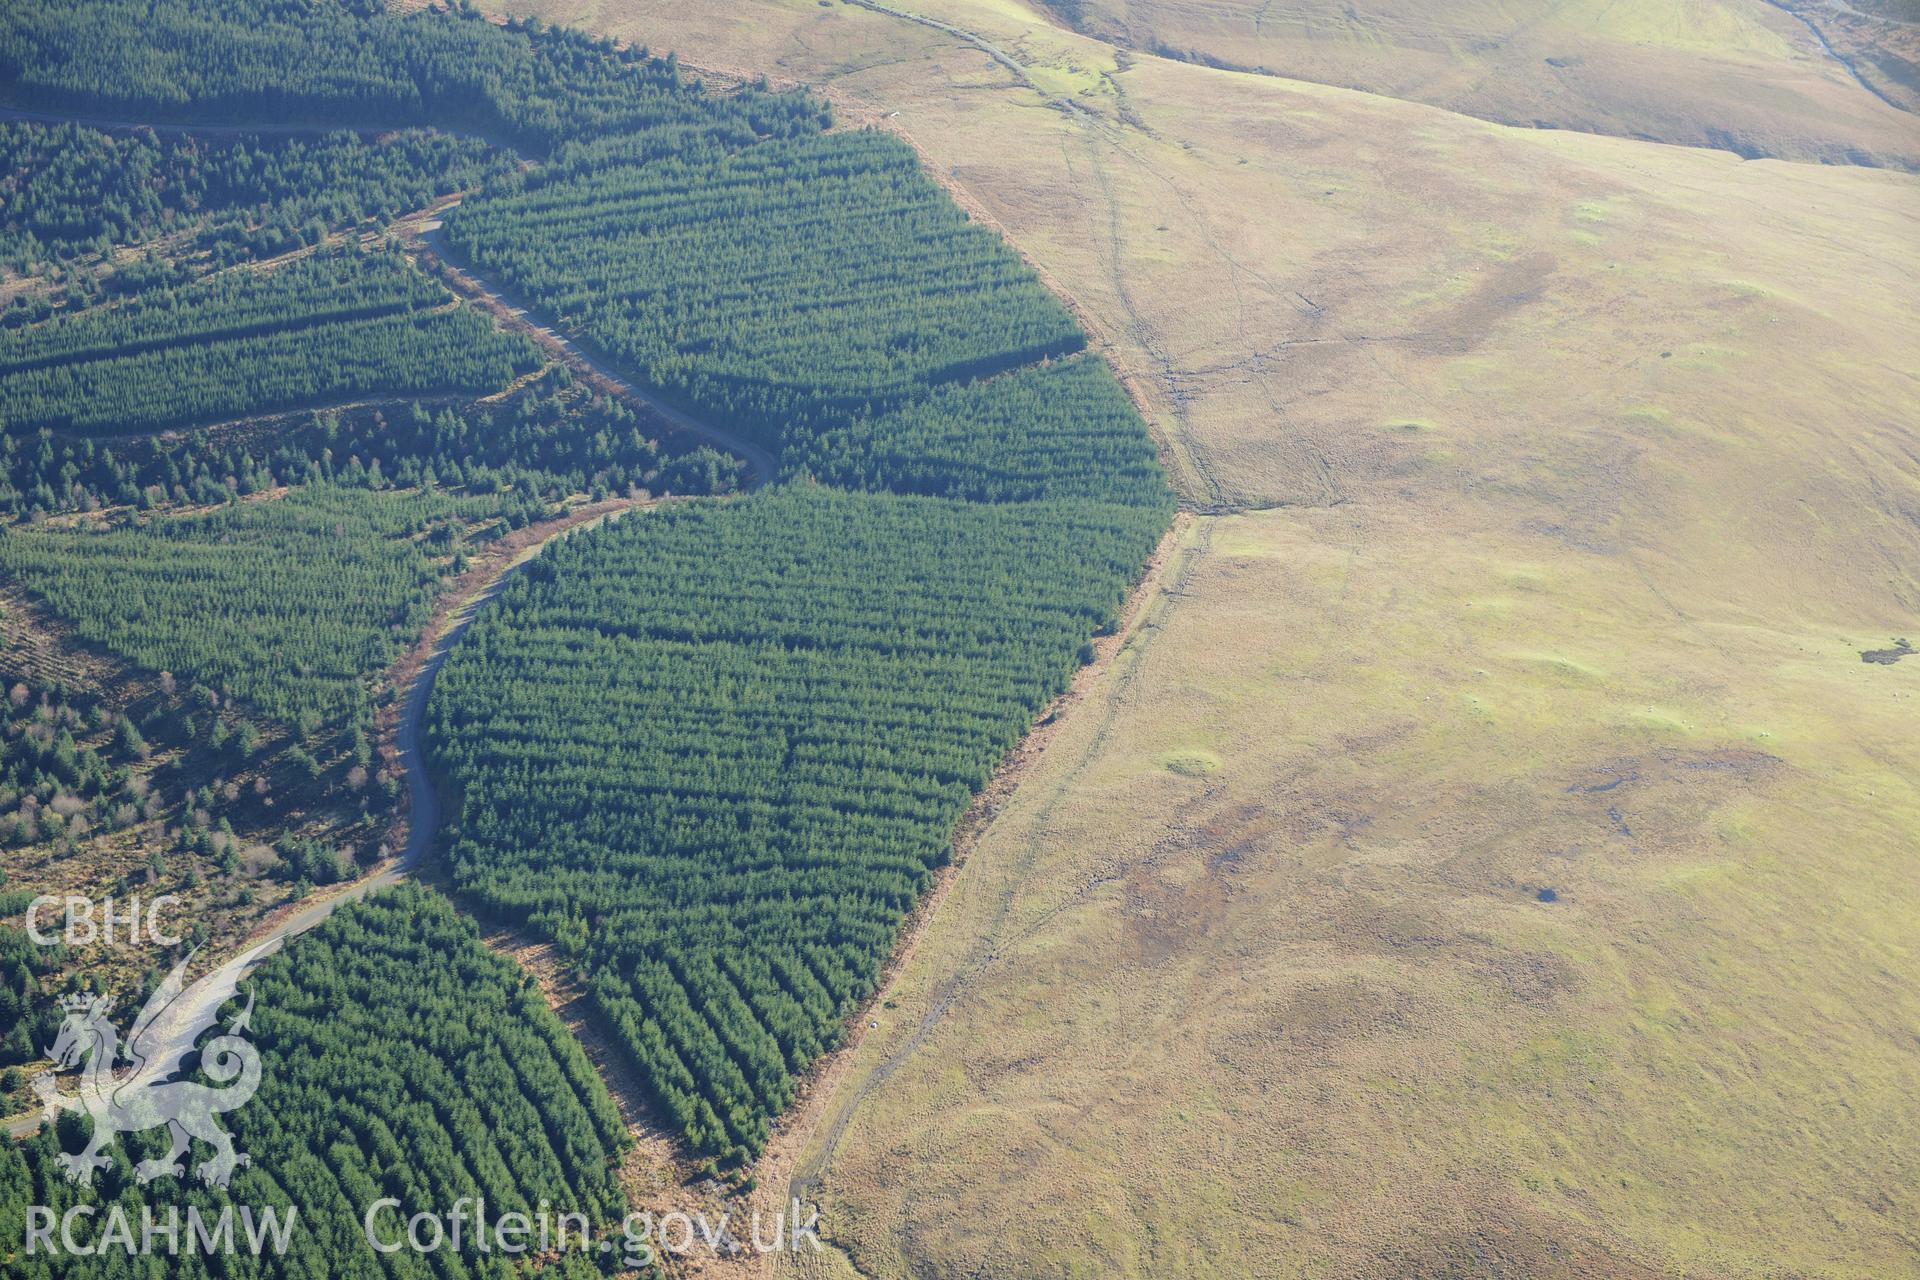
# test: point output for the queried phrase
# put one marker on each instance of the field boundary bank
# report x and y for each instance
(1185, 541)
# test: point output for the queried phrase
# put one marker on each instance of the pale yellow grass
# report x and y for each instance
(1557, 482)
(1307, 1015)
(1724, 73)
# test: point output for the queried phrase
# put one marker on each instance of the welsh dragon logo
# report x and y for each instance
(147, 1095)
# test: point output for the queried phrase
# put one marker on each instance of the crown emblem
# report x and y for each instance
(78, 1002)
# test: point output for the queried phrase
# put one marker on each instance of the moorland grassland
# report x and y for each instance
(1741, 75)
(1489, 853)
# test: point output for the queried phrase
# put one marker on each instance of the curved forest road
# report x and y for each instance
(182, 1022)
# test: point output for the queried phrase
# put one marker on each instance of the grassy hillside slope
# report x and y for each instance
(1736, 74)
(1550, 487)
(1741, 75)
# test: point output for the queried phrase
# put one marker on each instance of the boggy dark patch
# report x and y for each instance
(1887, 657)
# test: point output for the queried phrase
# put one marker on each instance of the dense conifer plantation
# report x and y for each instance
(781, 288)
(351, 63)
(66, 189)
(292, 70)
(399, 1058)
(1063, 429)
(290, 605)
(329, 326)
(715, 752)
(550, 437)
